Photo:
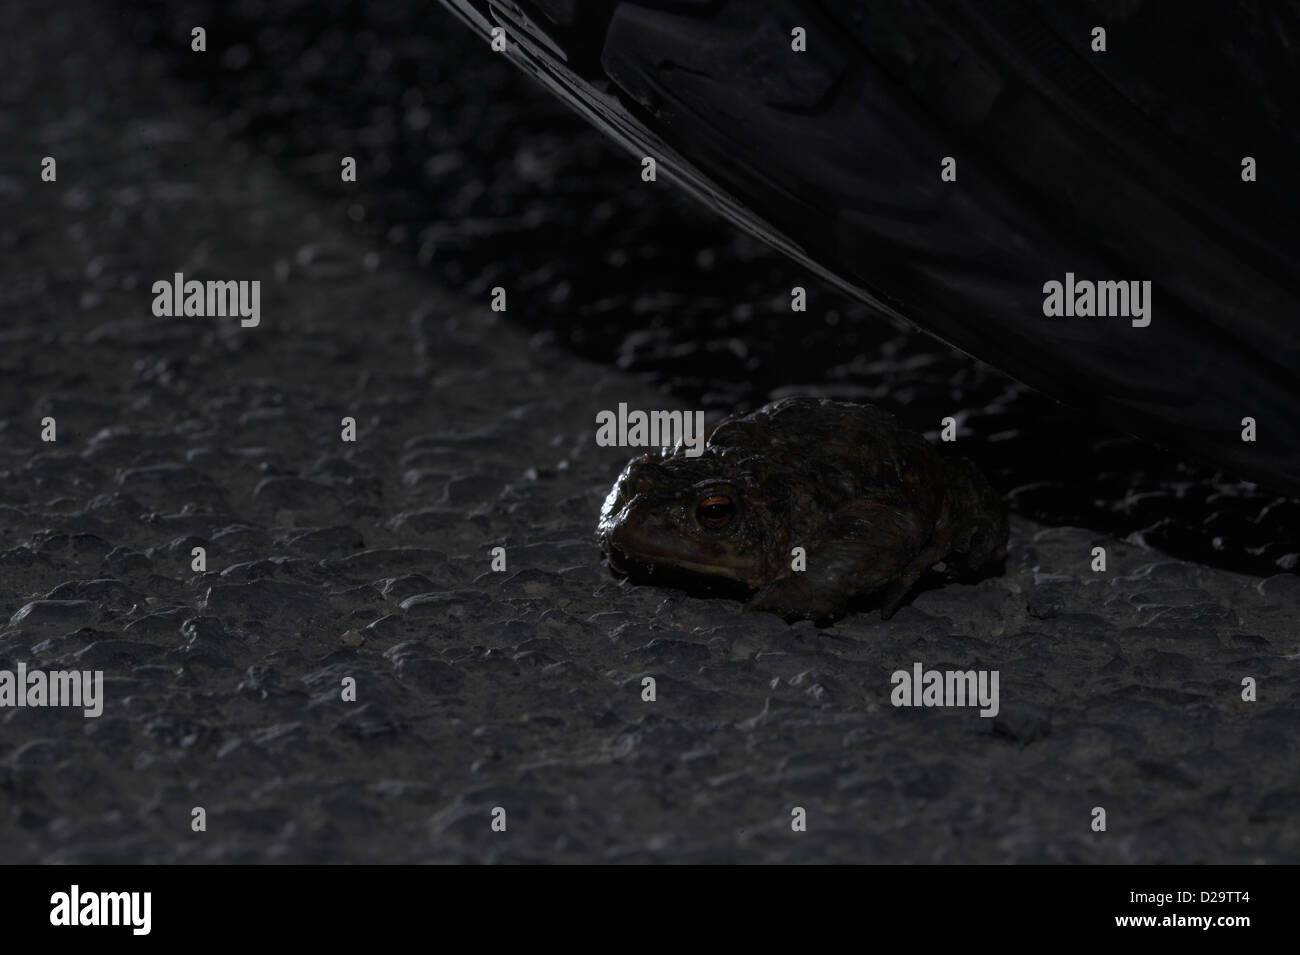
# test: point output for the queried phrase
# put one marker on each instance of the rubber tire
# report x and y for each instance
(1116, 165)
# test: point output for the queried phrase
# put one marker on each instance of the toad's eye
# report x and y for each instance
(714, 512)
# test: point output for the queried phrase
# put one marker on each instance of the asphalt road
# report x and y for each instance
(475, 689)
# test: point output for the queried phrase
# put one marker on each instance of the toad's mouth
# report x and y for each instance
(664, 566)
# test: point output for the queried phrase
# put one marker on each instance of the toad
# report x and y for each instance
(804, 507)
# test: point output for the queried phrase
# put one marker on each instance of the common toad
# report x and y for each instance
(875, 508)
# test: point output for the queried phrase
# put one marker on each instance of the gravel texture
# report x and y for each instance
(475, 688)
